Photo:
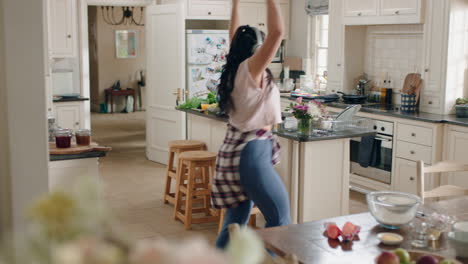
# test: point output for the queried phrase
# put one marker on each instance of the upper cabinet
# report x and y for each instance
(62, 24)
(355, 8)
(336, 47)
(208, 9)
(379, 12)
(399, 7)
(254, 13)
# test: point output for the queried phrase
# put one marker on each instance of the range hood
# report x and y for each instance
(317, 7)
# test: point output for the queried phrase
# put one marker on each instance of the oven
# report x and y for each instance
(379, 171)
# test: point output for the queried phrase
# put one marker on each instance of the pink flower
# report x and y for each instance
(299, 100)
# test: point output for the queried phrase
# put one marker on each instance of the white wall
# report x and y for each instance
(23, 84)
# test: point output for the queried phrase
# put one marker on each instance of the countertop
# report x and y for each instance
(85, 155)
(395, 112)
(70, 99)
(292, 135)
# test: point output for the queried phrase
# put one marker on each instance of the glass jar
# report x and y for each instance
(290, 123)
(303, 126)
(83, 137)
(63, 138)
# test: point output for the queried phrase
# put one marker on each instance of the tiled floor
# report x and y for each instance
(133, 186)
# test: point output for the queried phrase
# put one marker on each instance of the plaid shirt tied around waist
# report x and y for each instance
(226, 190)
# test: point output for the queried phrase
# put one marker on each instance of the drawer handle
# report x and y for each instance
(430, 102)
(426, 70)
(413, 134)
(68, 36)
(412, 152)
(77, 123)
(359, 14)
(411, 178)
(209, 13)
(339, 65)
(397, 12)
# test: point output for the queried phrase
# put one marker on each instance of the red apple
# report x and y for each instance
(428, 260)
(387, 257)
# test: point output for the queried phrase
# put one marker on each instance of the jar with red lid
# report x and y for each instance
(63, 138)
(83, 137)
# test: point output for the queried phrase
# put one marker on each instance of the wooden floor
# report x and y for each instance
(133, 186)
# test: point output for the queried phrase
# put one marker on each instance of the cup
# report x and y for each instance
(460, 231)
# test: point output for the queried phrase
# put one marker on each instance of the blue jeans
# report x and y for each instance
(263, 186)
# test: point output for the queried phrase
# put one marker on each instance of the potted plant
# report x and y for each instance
(308, 114)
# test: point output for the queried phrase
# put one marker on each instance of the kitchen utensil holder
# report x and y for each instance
(409, 103)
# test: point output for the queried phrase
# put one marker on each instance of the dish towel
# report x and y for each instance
(366, 151)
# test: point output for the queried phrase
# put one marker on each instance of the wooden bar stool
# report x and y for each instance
(193, 185)
(175, 149)
(252, 220)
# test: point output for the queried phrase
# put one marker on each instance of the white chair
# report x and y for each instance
(444, 190)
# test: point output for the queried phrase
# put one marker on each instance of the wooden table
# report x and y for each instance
(110, 93)
(308, 243)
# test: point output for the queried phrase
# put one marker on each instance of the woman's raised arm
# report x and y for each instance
(234, 24)
(265, 54)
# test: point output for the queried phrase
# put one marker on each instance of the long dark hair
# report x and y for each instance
(241, 49)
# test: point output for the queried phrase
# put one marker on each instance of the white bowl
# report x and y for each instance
(460, 246)
(393, 209)
(390, 239)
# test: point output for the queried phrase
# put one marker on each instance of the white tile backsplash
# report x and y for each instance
(396, 50)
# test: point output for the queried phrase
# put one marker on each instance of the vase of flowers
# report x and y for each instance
(308, 115)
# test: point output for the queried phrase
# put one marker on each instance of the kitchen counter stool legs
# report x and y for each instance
(194, 188)
(175, 149)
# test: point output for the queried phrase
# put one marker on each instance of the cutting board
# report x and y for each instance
(75, 149)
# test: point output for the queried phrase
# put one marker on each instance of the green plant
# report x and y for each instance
(462, 101)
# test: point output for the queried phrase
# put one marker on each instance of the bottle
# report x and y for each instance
(389, 93)
(383, 93)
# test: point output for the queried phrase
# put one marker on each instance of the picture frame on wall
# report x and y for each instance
(126, 44)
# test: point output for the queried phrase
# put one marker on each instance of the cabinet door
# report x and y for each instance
(285, 11)
(249, 14)
(458, 151)
(435, 45)
(218, 133)
(62, 21)
(68, 115)
(209, 9)
(399, 7)
(405, 176)
(199, 128)
(335, 48)
(359, 7)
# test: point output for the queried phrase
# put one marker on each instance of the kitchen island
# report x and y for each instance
(66, 170)
(315, 168)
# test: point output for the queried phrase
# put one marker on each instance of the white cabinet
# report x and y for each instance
(210, 131)
(254, 13)
(360, 7)
(62, 28)
(208, 9)
(457, 149)
(336, 48)
(379, 12)
(69, 115)
(399, 7)
(405, 180)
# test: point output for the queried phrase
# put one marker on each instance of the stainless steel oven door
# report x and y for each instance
(382, 171)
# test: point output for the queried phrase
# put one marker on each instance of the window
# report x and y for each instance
(321, 45)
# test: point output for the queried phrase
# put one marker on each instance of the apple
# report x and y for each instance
(387, 257)
(403, 255)
(427, 260)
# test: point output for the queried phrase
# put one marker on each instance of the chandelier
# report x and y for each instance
(126, 19)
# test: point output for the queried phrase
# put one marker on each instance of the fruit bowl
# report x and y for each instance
(393, 209)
